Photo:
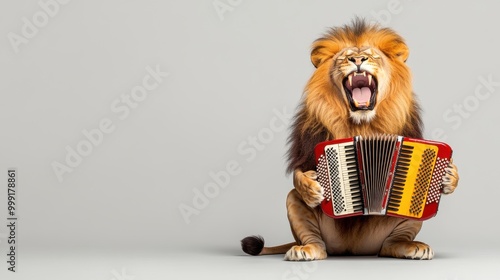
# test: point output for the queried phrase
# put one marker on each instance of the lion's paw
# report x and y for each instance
(307, 252)
(418, 251)
(308, 187)
(414, 250)
(450, 179)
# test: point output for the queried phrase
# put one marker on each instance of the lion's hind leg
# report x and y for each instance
(305, 229)
(400, 243)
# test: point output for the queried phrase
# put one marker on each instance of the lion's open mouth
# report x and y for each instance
(361, 90)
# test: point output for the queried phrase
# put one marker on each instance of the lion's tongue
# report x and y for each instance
(362, 95)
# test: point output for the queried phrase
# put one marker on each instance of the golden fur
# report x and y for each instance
(330, 111)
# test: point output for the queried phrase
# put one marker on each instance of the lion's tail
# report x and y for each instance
(254, 245)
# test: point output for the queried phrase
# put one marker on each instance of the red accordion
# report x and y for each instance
(382, 175)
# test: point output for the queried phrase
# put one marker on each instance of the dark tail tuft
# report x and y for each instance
(252, 245)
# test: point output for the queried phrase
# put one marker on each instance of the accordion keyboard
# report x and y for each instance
(344, 179)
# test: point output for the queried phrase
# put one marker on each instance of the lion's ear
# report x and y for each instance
(322, 50)
(403, 52)
(399, 50)
(391, 45)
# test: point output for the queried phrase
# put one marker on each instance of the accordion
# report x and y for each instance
(381, 175)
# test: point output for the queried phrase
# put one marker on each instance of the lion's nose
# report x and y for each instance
(358, 60)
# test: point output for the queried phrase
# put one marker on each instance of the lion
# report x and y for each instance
(361, 86)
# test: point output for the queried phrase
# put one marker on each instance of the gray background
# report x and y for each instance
(228, 74)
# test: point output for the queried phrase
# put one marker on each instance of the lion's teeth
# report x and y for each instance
(359, 74)
(350, 80)
(369, 79)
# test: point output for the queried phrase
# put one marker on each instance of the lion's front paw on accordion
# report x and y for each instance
(382, 175)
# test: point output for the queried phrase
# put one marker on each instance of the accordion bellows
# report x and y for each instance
(382, 175)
